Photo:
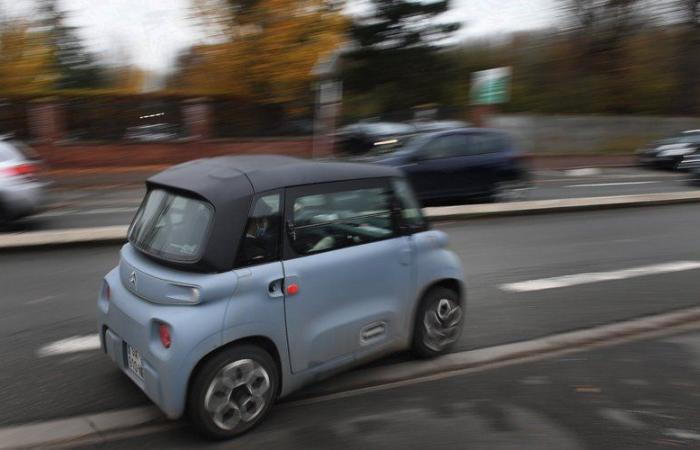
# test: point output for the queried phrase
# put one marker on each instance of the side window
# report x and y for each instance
(260, 243)
(481, 143)
(411, 212)
(444, 147)
(341, 219)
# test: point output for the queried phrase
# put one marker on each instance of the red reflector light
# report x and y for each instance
(164, 332)
(292, 289)
(106, 291)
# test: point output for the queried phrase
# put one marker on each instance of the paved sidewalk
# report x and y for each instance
(643, 395)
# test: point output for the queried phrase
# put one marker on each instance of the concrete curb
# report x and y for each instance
(96, 235)
(560, 205)
(65, 430)
(117, 234)
(100, 427)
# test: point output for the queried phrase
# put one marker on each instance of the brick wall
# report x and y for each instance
(78, 156)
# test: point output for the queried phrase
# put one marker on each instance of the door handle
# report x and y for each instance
(274, 289)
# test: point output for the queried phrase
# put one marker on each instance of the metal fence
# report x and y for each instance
(122, 118)
(233, 118)
(14, 118)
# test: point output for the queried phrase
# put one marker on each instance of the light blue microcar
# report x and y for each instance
(247, 277)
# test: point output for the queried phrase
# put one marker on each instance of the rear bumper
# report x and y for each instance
(23, 199)
(125, 319)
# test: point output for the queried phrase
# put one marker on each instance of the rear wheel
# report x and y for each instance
(438, 323)
(233, 391)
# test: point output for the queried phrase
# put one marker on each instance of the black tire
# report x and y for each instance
(199, 415)
(422, 346)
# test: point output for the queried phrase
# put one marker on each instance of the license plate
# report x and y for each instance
(133, 358)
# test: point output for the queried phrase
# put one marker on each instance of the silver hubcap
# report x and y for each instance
(442, 324)
(237, 393)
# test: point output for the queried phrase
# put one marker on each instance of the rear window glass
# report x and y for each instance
(171, 226)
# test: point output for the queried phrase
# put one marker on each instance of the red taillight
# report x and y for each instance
(164, 333)
(19, 170)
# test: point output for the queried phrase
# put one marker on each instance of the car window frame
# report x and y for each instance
(397, 209)
(189, 262)
(292, 193)
(280, 232)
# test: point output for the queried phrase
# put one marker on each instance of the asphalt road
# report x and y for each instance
(116, 205)
(643, 395)
(49, 296)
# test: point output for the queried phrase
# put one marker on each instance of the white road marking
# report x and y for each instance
(625, 183)
(42, 299)
(683, 434)
(585, 172)
(595, 277)
(71, 345)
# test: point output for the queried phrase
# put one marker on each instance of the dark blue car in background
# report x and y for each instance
(459, 165)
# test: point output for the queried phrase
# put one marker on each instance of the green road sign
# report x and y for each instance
(490, 87)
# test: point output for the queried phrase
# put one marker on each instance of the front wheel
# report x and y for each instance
(233, 391)
(438, 323)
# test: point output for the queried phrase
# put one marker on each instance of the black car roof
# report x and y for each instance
(229, 183)
(263, 172)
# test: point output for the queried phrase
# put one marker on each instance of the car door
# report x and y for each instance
(347, 272)
(258, 303)
(434, 168)
(480, 161)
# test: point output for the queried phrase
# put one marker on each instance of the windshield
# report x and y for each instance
(171, 226)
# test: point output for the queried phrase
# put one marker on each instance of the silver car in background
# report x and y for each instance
(22, 190)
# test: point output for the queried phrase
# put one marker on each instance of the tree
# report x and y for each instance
(266, 49)
(25, 59)
(599, 29)
(689, 57)
(75, 66)
(395, 59)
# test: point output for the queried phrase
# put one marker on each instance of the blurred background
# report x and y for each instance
(78, 72)
(572, 103)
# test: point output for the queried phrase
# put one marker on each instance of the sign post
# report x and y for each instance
(489, 88)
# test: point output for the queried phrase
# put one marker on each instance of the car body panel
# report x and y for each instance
(466, 175)
(20, 194)
(340, 295)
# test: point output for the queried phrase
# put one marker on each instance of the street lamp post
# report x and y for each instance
(329, 96)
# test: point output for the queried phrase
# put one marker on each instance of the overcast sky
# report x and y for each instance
(150, 32)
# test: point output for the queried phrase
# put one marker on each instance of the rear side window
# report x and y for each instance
(330, 221)
(171, 226)
(260, 242)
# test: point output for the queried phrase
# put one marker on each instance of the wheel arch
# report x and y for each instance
(263, 342)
